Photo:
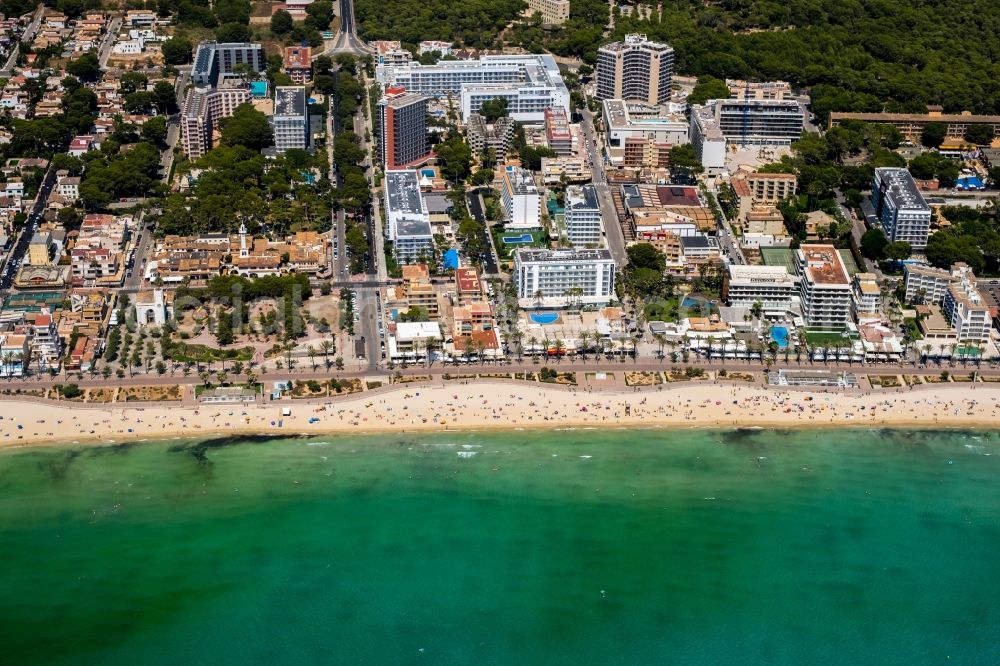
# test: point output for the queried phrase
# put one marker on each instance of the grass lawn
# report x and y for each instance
(662, 309)
(821, 338)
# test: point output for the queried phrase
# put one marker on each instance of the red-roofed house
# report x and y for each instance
(298, 64)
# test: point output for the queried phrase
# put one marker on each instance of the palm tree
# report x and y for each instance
(518, 337)
(327, 345)
(8, 362)
(222, 377)
(584, 337)
(251, 377)
(311, 351)
(417, 342)
(539, 296)
(661, 340)
(560, 349)
(237, 368)
(927, 352)
(532, 343)
(205, 376)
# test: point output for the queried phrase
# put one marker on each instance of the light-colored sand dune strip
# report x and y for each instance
(492, 405)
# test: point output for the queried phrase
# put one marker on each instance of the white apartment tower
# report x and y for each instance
(824, 287)
(550, 278)
(966, 309)
(522, 202)
(290, 119)
(900, 207)
(635, 69)
(583, 216)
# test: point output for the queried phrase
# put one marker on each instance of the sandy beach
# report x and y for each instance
(494, 405)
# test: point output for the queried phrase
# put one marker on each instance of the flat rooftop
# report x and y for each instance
(402, 192)
(823, 265)
(761, 274)
(901, 188)
(290, 101)
(584, 196)
(535, 255)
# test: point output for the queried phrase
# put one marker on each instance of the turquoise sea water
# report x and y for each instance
(583, 547)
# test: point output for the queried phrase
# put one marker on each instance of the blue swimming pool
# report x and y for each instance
(544, 317)
(692, 302)
(969, 183)
(780, 335)
(523, 239)
(427, 173)
(699, 302)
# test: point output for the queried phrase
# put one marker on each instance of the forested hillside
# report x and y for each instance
(474, 23)
(855, 54)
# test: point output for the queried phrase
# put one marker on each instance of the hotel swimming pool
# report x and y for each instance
(969, 183)
(544, 317)
(523, 239)
(780, 335)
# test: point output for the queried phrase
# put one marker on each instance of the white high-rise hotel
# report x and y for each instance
(548, 278)
(635, 69)
(529, 83)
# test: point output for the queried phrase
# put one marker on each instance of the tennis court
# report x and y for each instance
(779, 256)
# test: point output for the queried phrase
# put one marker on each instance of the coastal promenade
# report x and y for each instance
(303, 371)
(490, 404)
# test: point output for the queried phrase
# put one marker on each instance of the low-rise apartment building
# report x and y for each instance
(927, 284)
(771, 286)
(640, 135)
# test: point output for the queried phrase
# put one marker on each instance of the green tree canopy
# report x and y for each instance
(708, 87)
(86, 68)
(281, 22)
(933, 134)
(247, 127)
(898, 250)
(873, 244)
(177, 51)
(493, 109)
(981, 135)
(644, 255)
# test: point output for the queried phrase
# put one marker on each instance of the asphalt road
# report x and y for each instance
(474, 199)
(612, 228)
(31, 225)
(108, 42)
(347, 40)
(133, 276)
(26, 37)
